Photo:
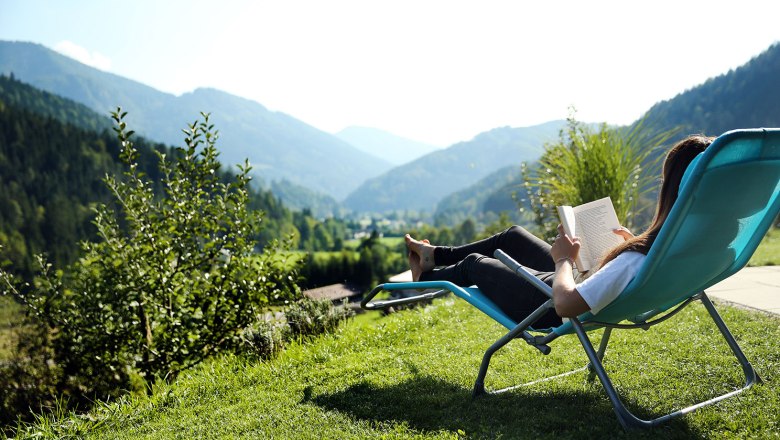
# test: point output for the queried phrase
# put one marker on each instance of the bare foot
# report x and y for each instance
(420, 256)
(414, 264)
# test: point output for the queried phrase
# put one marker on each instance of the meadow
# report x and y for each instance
(409, 376)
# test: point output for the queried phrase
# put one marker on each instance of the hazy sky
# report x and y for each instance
(433, 71)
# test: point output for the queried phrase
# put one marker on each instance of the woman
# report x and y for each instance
(472, 264)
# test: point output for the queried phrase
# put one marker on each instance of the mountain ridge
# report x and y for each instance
(280, 145)
(395, 149)
(742, 97)
(421, 184)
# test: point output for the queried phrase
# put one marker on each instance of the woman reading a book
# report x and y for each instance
(472, 264)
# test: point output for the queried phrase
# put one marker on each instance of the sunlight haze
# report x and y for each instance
(438, 72)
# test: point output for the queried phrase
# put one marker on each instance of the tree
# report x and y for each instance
(466, 231)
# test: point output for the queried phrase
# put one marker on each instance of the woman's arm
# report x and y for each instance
(568, 302)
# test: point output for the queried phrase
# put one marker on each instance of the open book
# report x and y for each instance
(593, 224)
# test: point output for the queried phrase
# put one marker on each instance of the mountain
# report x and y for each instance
(421, 184)
(492, 194)
(299, 198)
(394, 149)
(22, 96)
(277, 145)
(745, 97)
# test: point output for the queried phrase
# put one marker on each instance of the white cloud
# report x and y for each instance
(73, 50)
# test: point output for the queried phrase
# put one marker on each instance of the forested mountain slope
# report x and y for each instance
(746, 97)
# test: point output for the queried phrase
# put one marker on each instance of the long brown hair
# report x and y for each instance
(677, 160)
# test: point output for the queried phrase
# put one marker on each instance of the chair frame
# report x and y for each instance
(626, 418)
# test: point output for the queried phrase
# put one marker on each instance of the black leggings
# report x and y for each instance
(473, 264)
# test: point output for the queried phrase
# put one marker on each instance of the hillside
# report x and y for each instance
(304, 165)
(50, 175)
(421, 184)
(17, 94)
(741, 98)
(298, 198)
(491, 194)
(394, 149)
(278, 145)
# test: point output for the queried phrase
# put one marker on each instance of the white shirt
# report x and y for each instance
(607, 283)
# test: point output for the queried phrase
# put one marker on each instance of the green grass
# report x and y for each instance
(768, 252)
(409, 375)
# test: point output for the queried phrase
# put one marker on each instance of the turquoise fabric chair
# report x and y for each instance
(729, 197)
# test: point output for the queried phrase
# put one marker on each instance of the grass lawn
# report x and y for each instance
(409, 375)
(768, 252)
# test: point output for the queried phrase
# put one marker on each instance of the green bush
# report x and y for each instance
(174, 278)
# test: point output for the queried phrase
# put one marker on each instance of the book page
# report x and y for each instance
(595, 222)
(566, 214)
(569, 223)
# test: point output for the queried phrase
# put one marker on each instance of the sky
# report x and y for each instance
(434, 71)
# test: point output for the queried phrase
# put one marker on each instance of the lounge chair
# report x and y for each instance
(728, 199)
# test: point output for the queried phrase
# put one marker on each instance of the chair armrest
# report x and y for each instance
(366, 303)
(522, 272)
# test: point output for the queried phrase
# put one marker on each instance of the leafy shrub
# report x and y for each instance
(174, 279)
(310, 317)
(265, 338)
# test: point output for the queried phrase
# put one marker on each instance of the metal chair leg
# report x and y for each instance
(629, 420)
(479, 384)
(600, 354)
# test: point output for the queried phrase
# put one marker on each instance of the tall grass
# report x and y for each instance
(586, 165)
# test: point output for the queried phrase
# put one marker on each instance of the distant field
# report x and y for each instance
(391, 242)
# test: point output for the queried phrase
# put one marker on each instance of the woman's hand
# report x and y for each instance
(565, 246)
(623, 232)
(567, 301)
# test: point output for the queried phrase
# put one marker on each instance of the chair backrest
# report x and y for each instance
(728, 200)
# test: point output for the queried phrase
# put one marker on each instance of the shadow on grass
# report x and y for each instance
(428, 404)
